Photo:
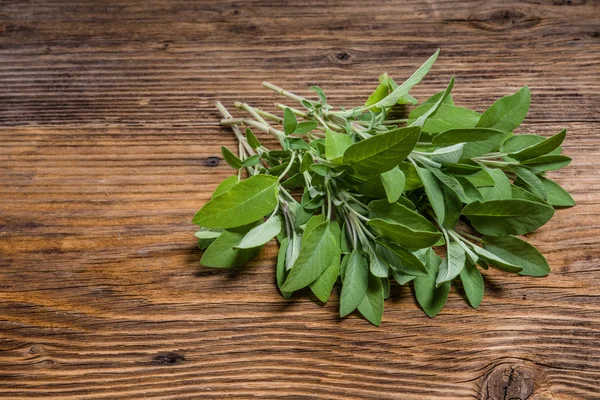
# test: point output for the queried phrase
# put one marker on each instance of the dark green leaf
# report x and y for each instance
(252, 139)
(472, 283)
(431, 298)
(557, 196)
(231, 159)
(507, 217)
(399, 258)
(289, 121)
(251, 161)
(518, 252)
(356, 281)
(478, 141)
(281, 271)
(539, 149)
(316, 254)
(221, 253)
(452, 264)
(382, 152)
(324, 284)
(434, 193)
(371, 306)
(304, 127)
(529, 181)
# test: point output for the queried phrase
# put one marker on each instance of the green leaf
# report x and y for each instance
(379, 94)
(324, 284)
(399, 258)
(304, 127)
(401, 277)
(507, 217)
(518, 142)
(252, 139)
(293, 250)
(448, 155)
(336, 144)
(433, 109)
(231, 159)
(281, 270)
(481, 178)
(204, 233)
(413, 181)
(251, 161)
(452, 264)
(404, 235)
(431, 298)
(307, 161)
(557, 196)
(289, 121)
(356, 281)
(377, 265)
(452, 207)
(477, 141)
(486, 258)
(451, 183)
(227, 184)
(471, 191)
(316, 254)
(548, 162)
(399, 213)
(446, 117)
(539, 149)
(522, 194)
(393, 182)
(371, 306)
(221, 253)
(293, 182)
(472, 283)
(261, 234)
(405, 87)
(434, 193)
(518, 252)
(508, 112)
(382, 152)
(529, 181)
(312, 223)
(246, 202)
(501, 188)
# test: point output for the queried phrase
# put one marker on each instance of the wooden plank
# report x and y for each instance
(109, 142)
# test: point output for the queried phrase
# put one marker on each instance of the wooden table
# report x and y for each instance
(109, 143)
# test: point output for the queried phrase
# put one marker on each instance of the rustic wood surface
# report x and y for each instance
(109, 143)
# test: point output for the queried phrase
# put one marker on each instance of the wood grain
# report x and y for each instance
(109, 143)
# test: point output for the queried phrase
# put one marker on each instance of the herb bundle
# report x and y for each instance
(357, 197)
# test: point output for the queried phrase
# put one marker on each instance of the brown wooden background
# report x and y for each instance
(108, 139)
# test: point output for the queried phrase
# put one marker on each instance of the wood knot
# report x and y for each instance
(341, 57)
(212, 161)
(501, 20)
(508, 382)
(168, 358)
(35, 350)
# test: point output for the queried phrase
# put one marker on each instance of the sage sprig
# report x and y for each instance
(360, 198)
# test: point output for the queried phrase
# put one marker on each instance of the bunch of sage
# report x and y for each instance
(357, 198)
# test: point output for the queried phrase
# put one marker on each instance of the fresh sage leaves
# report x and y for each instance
(359, 199)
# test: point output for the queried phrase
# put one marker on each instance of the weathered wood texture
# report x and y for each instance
(107, 136)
